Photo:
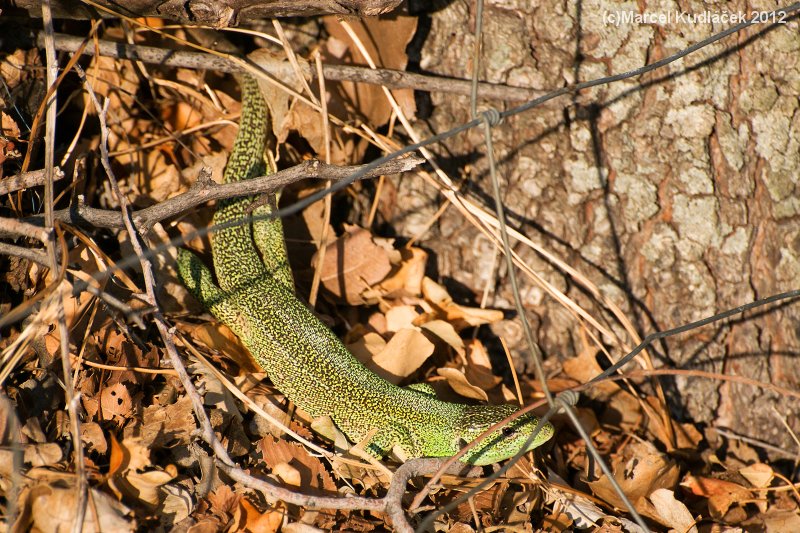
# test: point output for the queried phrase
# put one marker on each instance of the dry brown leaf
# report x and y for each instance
(119, 350)
(400, 317)
(51, 509)
(311, 471)
(741, 453)
(249, 519)
(147, 486)
(287, 474)
(759, 475)
(120, 457)
(93, 437)
(206, 525)
(460, 316)
(177, 503)
(8, 127)
(115, 402)
(583, 367)
(45, 454)
(446, 332)
(405, 352)
(317, 223)
(376, 321)
(325, 427)
(461, 527)
(721, 494)
(639, 469)
(622, 409)
(345, 149)
(218, 336)
(385, 40)
(557, 522)
(394, 255)
(353, 264)
(673, 513)
(688, 436)
(459, 383)
(479, 367)
(132, 476)
(435, 293)
(16, 66)
(409, 276)
(485, 500)
(115, 79)
(502, 395)
(181, 115)
(74, 309)
(36, 455)
(224, 501)
(278, 100)
(588, 420)
(164, 425)
(778, 521)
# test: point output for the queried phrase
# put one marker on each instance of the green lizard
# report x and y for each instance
(303, 358)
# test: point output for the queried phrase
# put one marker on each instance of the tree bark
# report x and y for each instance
(214, 13)
(677, 194)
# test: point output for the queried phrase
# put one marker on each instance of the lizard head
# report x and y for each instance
(502, 443)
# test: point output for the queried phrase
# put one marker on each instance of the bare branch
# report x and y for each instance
(11, 227)
(27, 179)
(204, 191)
(218, 14)
(391, 504)
(37, 256)
(393, 79)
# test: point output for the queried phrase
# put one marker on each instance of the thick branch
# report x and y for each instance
(13, 228)
(37, 256)
(207, 190)
(217, 13)
(27, 179)
(391, 504)
(393, 79)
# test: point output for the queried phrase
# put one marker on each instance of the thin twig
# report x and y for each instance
(127, 311)
(326, 215)
(693, 373)
(55, 272)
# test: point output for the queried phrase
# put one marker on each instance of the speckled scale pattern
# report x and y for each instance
(302, 357)
(235, 256)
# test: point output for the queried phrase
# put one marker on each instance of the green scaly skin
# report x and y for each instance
(303, 358)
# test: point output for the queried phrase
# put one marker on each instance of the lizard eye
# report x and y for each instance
(508, 431)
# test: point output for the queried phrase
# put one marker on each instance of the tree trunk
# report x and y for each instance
(676, 193)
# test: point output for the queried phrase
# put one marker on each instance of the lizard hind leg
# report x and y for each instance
(396, 442)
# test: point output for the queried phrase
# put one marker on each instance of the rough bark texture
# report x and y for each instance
(214, 13)
(676, 194)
